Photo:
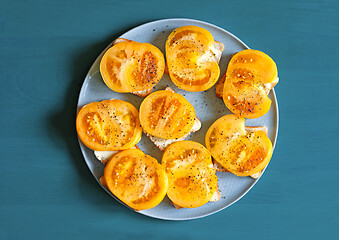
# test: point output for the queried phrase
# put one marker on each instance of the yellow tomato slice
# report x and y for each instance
(189, 67)
(240, 152)
(167, 115)
(250, 75)
(109, 125)
(136, 179)
(191, 176)
(132, 66)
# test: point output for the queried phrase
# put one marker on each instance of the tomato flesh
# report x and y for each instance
(185, 48)
(109, 125)
(132, 66)
(249, 77)
(136, 179)
(167, 115)
(192, 179)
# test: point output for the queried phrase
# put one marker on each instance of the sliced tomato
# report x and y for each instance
(240, 152)
(167, 115)
(191, 176)
(109, 125)
(250, 76)
(136, 179)
(190, 60)
(131, 66)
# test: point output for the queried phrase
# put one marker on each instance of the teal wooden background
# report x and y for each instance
(46, 190)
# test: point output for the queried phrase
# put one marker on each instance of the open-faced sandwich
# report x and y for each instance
(250, 76)
(243, 151)
(167, 117)
(132, 67)
(191, 177)
(187, 173)
(110, 125)
(192, 58)
(136, 179)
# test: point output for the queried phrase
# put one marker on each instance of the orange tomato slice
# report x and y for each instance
(136, 179)
(190, 172)
(240, 152)
(109, 125)
(132, 66)
(167, 115)
(250, 76)
(187, 51)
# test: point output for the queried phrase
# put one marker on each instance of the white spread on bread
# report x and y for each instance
(105, 156)
(214, 54)
(143, 93)
(269, 86)
(256, 128)
(266, 87)
(216, 196)
(255, 175)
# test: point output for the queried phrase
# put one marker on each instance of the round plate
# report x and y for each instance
(207, 106)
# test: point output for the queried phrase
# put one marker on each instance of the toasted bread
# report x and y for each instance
(162, 143)
(143, 93)
(216, 196)
(218, 49)
(119, 40)
(219, 88)
(220, 168)
(214, 54)
(166, 69)
(104, 156)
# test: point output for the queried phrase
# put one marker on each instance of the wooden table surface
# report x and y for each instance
(47, 191)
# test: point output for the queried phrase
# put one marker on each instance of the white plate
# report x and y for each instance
(208, 109)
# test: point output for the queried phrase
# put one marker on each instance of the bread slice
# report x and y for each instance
(218, 49)
(256, 128)
(214, 54)
(105, 156)
(269, 86)
(143, 93)
(220, 168)
(216, 195)
(119, 40)
(220, 86)
(162, 143)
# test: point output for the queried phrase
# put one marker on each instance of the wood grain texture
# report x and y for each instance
(46, 49)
